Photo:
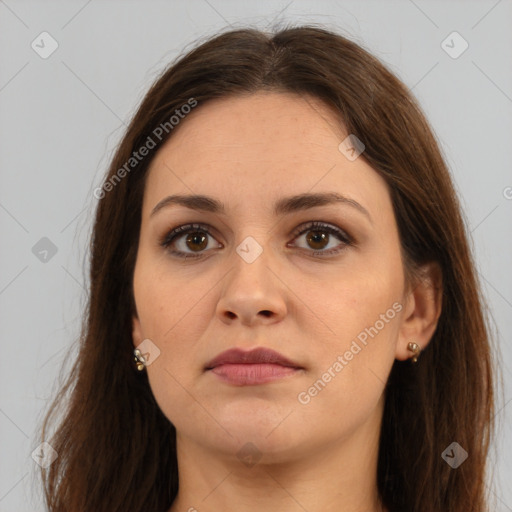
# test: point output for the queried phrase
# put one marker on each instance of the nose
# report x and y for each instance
(252, 293)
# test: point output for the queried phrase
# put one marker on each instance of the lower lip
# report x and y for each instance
(252, 374)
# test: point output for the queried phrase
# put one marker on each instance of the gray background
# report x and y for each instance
(62, 116)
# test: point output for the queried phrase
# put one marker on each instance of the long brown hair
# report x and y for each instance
(116, 449)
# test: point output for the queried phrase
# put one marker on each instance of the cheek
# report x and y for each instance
(343, 305)
(360, 318)
(166, 300)
(173, 316)
(350, 372)
(170, 316)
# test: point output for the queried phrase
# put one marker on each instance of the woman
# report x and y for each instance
(284, 312)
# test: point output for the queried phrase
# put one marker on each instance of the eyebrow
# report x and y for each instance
(283, 206)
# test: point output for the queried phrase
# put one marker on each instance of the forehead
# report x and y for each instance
(282, 122)
(261, 146)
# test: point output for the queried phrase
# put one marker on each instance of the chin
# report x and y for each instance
(274, 440)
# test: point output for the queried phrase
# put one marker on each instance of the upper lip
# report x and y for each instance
(255, 356)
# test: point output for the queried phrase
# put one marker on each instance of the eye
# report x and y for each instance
(196, 239)
(318, 237)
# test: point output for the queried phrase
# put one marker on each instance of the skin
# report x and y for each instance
(322, 455)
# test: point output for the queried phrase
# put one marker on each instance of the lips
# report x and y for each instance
(259, 366)
(255, 356)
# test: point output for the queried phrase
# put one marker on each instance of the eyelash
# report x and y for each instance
(174, 234)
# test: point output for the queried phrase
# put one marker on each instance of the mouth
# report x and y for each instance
(259, 366)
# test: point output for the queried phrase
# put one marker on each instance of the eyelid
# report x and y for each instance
(171, 235)
(319, 225)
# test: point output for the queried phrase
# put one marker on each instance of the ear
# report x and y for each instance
(137, 336)
(421, 312)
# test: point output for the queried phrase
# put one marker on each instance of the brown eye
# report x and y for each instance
(195, 241)
(198, 240)
(317, 239)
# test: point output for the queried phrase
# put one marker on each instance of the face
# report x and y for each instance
(321, 284)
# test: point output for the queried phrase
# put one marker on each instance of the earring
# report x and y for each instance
(416, 349)
(139, 360)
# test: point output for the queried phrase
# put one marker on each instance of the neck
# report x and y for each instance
(341, 477)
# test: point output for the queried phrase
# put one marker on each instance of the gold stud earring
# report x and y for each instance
(139, 360)
(416, 349)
